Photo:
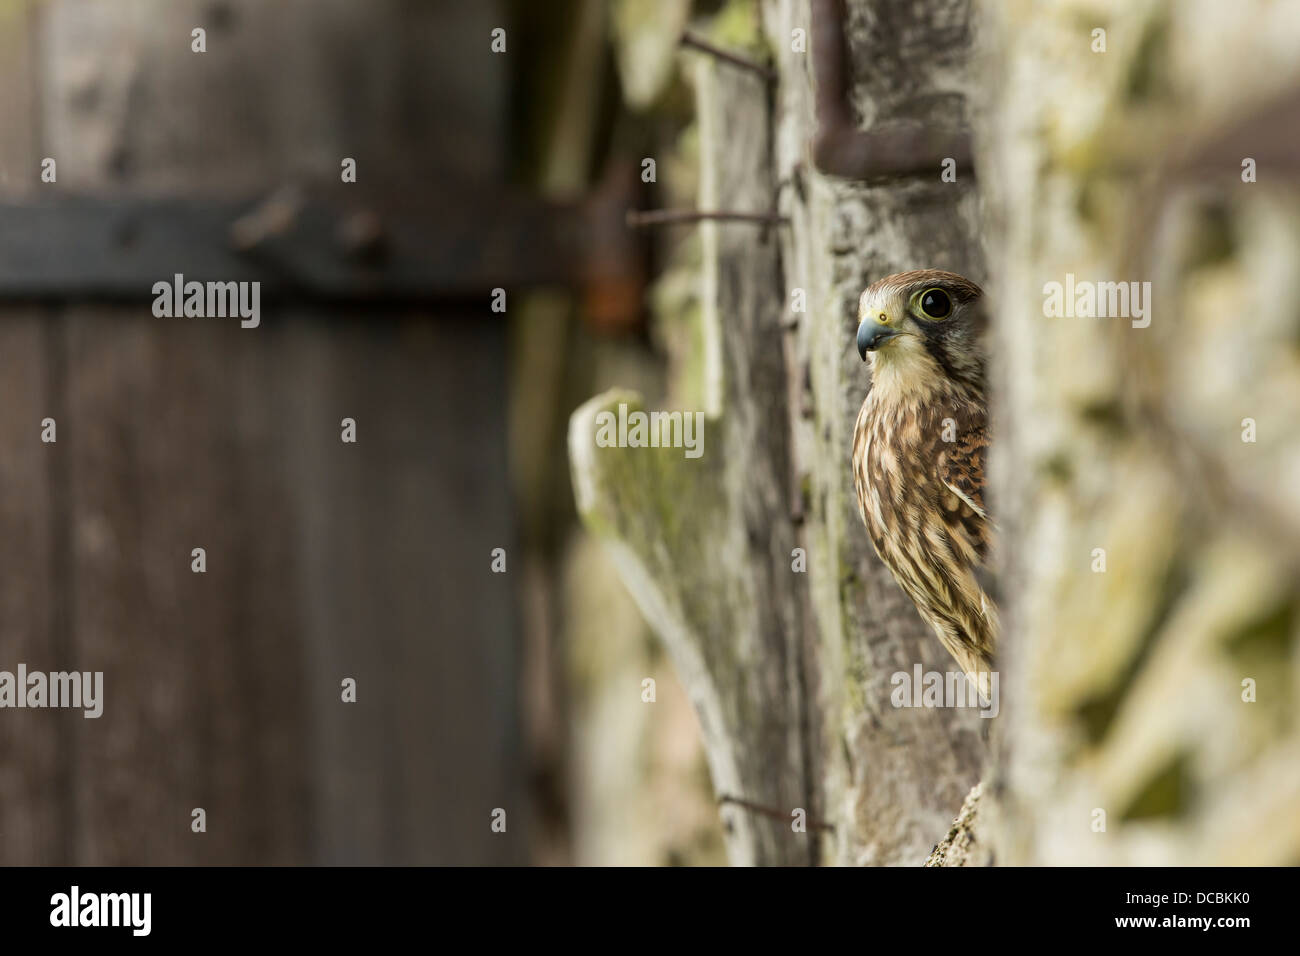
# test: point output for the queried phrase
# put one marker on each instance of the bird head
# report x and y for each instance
(923, 323)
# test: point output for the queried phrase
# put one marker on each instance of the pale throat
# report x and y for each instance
(904, 374)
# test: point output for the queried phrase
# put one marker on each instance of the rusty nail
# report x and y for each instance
(641, 219)
(691, 41)
(771, 812)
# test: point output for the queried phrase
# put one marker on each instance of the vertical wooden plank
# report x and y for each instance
(397, 533)
(35, 771)
(203, 704)
(19, 169)
(140, 760)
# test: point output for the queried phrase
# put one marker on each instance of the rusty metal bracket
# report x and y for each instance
(840, 147)
(396, 249)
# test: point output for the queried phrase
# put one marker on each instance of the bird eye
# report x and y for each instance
(934, 303)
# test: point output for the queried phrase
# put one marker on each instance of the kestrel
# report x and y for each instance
(918, 452)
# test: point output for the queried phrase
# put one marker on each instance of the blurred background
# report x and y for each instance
(326, 560)
(501, 589)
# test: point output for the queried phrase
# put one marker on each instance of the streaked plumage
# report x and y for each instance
(919, 449)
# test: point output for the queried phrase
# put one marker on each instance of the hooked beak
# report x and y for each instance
(871, 336)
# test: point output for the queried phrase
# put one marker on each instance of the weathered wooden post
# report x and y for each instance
(790, 671)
